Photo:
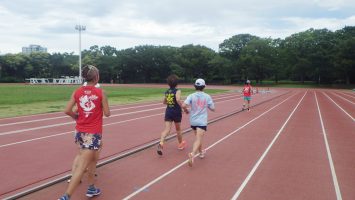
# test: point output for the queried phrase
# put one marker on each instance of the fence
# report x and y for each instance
(57, 81)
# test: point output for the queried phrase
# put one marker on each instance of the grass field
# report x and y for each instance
(19, 100)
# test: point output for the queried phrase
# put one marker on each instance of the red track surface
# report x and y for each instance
(299, 145)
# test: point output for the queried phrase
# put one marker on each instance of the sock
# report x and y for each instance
(91, 187)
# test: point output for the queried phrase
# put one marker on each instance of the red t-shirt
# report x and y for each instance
(89, 102)
(247, 91)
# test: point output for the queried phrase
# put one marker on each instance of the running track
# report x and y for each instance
(295, 144)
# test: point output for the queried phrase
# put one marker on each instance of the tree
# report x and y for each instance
(195, 60)
(256, 59)
(345, 57)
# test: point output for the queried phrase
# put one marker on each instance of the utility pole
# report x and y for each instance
(80, 28)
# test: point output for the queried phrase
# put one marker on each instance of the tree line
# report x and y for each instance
(316, 55)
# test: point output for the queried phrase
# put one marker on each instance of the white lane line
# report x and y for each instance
(332, 168)
(352, 118)
(31, 121)
(214, 144)
(118, 109)
(35, 128)
(72, 122)
(346, 94)
(343, 98)
(245, 182)
(59, 134)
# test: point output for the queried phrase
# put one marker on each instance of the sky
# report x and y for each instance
(127, 23)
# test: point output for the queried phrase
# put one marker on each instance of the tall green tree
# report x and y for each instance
(256, 59)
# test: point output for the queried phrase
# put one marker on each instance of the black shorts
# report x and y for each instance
(173, 117)
(201, 127)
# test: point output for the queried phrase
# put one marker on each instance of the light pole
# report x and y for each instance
(80, 28)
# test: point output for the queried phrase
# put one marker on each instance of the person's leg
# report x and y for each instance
(85, 158)
(75, 164)
(197, 145)
(163, 134)
(244, 101)
(198, 141)
(92, 168)
(178, 131)
(249, 104)
(182, 143)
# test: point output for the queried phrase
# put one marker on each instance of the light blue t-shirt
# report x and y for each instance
(199, 102)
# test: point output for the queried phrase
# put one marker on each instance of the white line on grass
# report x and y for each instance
(245, 182)
(214, 144)
(332, 168)
(352, 118)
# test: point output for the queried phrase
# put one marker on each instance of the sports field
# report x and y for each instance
(21, 99)
(293, 144)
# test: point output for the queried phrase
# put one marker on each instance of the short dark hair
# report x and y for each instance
(89, 72)
(200, 88)
(172, 80)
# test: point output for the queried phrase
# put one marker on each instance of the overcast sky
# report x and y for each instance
(125, 24)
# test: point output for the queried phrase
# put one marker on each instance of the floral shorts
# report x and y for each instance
(88, 140)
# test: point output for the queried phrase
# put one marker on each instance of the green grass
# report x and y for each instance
(19, 100)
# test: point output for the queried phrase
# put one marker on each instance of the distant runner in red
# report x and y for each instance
(247, 91)
(92, 103)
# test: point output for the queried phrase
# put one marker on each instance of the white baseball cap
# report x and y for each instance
(200, 82)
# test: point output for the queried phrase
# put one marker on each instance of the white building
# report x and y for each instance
(33, 48)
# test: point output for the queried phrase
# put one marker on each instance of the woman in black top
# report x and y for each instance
(173, 113)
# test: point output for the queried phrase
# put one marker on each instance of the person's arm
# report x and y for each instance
(211, 104)
(186, 104)
(105, 107)
(178, 100)
(164, 100)
(184, 107)
(69, 108)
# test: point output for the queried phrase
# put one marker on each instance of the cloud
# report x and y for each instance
(125, 24)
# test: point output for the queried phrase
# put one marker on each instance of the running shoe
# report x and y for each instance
(202, 154)
(182, 145)
(93, 191)
(191, 159)
(64, 197)
(160, 149)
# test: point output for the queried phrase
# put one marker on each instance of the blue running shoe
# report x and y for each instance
(64, 197)
(93, 191)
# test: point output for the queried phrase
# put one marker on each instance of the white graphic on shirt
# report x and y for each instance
(87, 104)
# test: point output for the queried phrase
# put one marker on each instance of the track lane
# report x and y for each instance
(17, 135)
(339, 128)
(67, 149)
(296, 166)
(128, 174)
(56, 115)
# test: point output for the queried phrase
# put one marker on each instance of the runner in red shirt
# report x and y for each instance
(92, 103)
(247, 91)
